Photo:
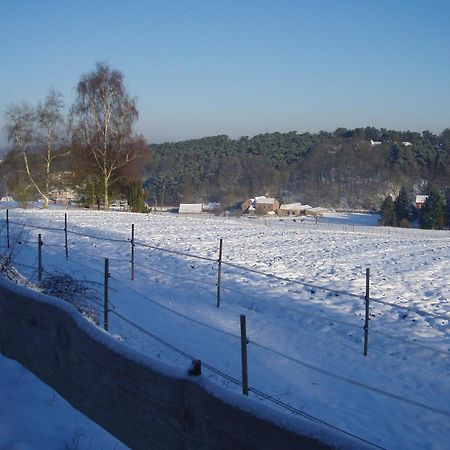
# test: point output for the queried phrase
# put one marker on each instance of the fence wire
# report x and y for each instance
(263, 347)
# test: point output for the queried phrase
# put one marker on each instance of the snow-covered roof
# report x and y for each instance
(421, 198)
(265, 200)
(190, 208)
(295, 207)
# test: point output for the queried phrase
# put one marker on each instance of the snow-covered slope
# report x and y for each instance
(306, 335)
(35, 417)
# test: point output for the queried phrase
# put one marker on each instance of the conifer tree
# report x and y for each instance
(402, 206)
(387, 211)
(433, 211)
(136, 197)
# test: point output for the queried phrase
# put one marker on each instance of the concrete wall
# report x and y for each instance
(145, 404)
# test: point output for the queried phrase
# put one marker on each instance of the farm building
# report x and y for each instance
(266, 204)
(190, 208)
(420, 200)
(293, 209)
(63, 195)
(247, 204)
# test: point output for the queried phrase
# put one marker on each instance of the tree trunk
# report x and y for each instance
(105, 195)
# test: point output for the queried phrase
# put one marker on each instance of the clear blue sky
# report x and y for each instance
(239, 67)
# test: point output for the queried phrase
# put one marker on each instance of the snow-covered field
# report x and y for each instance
(306, 335)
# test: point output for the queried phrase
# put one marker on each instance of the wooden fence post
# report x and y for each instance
(366, 321)
(7, 227)
(65, 236)
(40, 243)
(105, 296)
(132, 251)
(219, 273)
(244, 356)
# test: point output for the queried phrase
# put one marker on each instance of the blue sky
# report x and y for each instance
(239, 68)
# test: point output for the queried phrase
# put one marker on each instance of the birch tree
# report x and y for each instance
(51, 135)
(37, 134)
(102, 118)
(20, 130)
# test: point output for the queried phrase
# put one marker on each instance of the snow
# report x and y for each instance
(34, 417)
(306, 336)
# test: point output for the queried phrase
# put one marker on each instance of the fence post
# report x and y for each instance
(105, 296)
(65, 236)
(219, 272)
(244, 356)
(132, 251)
(40, 243)
(7, 227)
(366, 321)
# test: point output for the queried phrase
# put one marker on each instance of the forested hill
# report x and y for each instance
(345, 168)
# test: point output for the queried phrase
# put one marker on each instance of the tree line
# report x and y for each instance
(91, 148)
(342, 169)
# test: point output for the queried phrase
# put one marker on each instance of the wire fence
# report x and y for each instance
(213, 283)
(217, 285)
(323, 225)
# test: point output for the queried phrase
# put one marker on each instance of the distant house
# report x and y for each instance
(293, 209)
(373, 143)
(266, 204)
(246, 205)
(420, 200)
(7, 198)
(406, 143)
(190, 208)
(62, 195)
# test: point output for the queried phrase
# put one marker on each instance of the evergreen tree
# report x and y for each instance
(402, 207)
(136, 197)
(433, 211)
(387, 211)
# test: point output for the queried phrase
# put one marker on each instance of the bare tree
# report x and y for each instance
(20, 123)
(51, 134)
(38, 134)
(102, 118)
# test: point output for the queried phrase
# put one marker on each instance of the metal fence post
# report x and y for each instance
(219, 273)
(7, 227)
(366, 321)
(244, 355)
(105, 296)
(40, 243)
(132, 251)
(65, 236)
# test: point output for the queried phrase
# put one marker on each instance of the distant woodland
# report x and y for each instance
(341, 169)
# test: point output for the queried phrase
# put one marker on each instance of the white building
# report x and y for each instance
(190, 208)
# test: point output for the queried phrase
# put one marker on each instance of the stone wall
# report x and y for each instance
(144, 403)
